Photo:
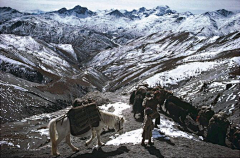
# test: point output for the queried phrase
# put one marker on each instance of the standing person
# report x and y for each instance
(147, 127)
(153, 103)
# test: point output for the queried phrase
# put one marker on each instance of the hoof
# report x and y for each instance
(96, 148)
(101, 144)
(76, 149)
(56, 154)
(150, 143)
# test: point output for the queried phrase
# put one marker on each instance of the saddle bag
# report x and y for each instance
(83, 118)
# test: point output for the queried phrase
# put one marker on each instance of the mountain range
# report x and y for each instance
(49, 58)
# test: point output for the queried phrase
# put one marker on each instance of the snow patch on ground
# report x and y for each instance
(14, 86)
(68, 48)
(118, 107)
(181, 73)
(135, 136)
(11, 61)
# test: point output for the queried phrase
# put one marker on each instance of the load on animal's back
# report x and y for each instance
(83, 116)
(234, 136)
(151, 102)
(217, 128)
(204, 115)
(84, 119)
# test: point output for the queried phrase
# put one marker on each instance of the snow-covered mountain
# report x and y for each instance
(78, 11)
(8, 13)
(38, 76)
(181, 62)
(48, 59)
(121, 23)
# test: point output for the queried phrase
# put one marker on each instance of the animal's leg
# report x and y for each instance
(54, 146)
(70, 144)
(142, 114)
(52, 133)
(91, 138)
(134, 115)
(98, 138)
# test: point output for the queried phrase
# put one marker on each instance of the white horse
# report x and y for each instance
(62, 129)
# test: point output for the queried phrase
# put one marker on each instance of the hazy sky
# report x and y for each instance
(194, 6)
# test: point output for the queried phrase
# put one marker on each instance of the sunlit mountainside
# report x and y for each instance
(49, 58)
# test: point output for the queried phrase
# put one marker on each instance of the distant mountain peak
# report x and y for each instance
(116, 13)
(188, 13)
(78, 7)
(8, 9)
(62, 10)
(220, 12)
(142, 9)
(162, 7)
(162, 10)
(78, 11)
(224, 12)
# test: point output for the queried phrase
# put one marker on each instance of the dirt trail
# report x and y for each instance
(175, 147)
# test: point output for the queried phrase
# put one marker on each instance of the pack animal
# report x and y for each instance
(62, 129)
(234, 137)
(178, 113)
(204, 115)
(136, 99)
(137, 105)
(132, 96)
(180, 109)
(217, 128)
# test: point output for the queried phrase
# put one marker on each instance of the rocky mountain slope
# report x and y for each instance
(48, 59)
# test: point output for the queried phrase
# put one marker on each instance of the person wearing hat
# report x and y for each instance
(147, 127)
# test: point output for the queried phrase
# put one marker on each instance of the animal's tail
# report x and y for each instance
(52, 134)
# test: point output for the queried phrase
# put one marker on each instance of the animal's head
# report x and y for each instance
(77, 102)
(118, 126)
(161, 95)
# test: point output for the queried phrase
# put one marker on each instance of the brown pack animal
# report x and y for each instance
(234, 137)
(217, 128)
(132, 96)
(136, 99)
(182, 112)
(137, 105)
(141, 89)
(178, 113)
(204, 115)
(163, 96)
(177, 107)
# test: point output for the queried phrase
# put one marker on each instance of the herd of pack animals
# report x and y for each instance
(214, 128)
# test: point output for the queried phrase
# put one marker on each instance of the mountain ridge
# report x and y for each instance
(49, 59)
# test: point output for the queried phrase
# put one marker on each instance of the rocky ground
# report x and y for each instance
(175, 147)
